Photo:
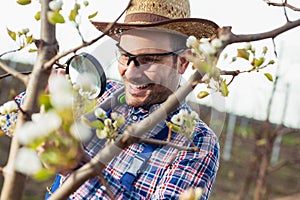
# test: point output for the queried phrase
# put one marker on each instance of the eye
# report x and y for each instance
(149, 59)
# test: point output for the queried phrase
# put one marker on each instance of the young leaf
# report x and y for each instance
(243, 53)
(12, 34)
(224, 89)
(37, 16)
(29, 39)
(23, 2)
(73, 14)
(259, 62)
(32, 50)
(55, 17)
(202, 94)
(269, 76)
(93, 15)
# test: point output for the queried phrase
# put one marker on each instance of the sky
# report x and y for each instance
(249, 93)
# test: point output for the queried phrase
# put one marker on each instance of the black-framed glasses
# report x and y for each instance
(125, 57)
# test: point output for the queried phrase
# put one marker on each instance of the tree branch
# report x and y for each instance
(131, 135)
(233, 38)
(282, 164)
(14, 73)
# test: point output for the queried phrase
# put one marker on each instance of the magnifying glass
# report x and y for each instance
(87, 74)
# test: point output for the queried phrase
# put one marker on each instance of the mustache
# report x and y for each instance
(138, 81)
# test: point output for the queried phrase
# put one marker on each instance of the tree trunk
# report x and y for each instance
(252, 168)
(265, 162)
(14, 182)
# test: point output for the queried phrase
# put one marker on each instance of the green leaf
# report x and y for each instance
(269, 76)
(259, 62)
(55, 17)
(73, 14)
(85, 3)
(23, 2)
(37, 16)
(202, 94)
(43, 174)
(173, 127)
(45, 101)
(224, 88)
(29, 39)
(271, 62)
(94, 124)
(93, 15)
(243, 53)
(265, 49)
(32, 50)
(12, 34)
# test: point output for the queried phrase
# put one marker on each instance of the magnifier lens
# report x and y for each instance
(87, 75)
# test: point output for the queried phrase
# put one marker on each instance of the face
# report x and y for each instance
(151, 79)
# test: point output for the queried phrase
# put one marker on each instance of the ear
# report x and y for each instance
(183, 61)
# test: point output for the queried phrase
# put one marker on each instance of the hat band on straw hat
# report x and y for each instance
(144, 18)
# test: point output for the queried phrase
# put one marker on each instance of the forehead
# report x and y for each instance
(147, 39)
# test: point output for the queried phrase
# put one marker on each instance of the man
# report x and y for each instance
(152, 57)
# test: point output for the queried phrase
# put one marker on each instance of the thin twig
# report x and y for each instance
(7, 74)
(11, 51)
(285, 4)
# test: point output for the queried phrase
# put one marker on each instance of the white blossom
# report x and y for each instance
(80, 131)
(55, 5)
(194, 115)
(190, 41)
(86, 84)
(27, 161)
(207, 48)
(61, 92)
(8, 107)
(108, 122)
(100, 113)
(177, 119)
(216, 43)
(26, 133)
(41, 125)
(101, 134)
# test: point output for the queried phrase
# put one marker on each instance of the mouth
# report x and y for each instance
(139, 89)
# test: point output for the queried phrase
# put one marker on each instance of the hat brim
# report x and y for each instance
(200, 28)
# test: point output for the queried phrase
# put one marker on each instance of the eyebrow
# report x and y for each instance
(149, 54)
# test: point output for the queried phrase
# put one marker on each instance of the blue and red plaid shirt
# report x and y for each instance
(168, 171)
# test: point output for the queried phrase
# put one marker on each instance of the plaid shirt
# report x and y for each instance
(168, 171)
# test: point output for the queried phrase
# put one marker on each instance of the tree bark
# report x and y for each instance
(14, 182)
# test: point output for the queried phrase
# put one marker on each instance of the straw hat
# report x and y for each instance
(172, 15)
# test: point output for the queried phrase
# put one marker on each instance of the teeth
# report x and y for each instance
(140, 86)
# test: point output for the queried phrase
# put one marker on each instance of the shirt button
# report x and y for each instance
(134, 117)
